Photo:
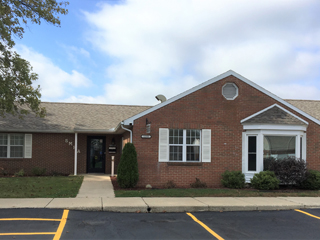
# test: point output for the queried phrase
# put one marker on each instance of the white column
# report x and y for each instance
(75, 153)
(112, 166)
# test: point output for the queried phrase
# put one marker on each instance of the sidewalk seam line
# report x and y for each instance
(48, 203)
(145, 203)
(207, 205)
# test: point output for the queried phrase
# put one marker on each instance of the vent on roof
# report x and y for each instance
(161, 98)
(230, 91)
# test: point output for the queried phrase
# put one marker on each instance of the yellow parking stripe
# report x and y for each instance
(35, 233)
(61, 225)
(29, 219)
(307, 213)
(205, 227)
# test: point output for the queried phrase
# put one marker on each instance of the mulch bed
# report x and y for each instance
(282, 189)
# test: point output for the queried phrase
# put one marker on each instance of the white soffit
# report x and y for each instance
(213, 80)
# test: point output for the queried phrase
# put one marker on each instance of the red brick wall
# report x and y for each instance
(208, 109)
(51, 151)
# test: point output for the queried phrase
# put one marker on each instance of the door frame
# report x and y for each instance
(103, 170)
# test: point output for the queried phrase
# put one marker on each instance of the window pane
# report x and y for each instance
(175, 153)
(16, 139)
(252, 153)
(16, 152)
(175, 136)
(3, 139)
(193, 137)
(252, 144)
(3, 151)
(279, 146)
(193, 153)
(252, 162)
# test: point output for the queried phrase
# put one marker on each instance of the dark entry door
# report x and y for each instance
(96, 154)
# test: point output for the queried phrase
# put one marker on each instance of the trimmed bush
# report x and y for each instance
(233, 179)
(266, 180)
(289, 170)
(198, 184)
(38, 171)
(128, 174)
(312, 181)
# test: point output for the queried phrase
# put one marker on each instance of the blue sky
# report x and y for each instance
(127, 52)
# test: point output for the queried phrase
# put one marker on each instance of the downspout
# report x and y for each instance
(127, 130)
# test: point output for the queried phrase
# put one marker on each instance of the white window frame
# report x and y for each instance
(9, 145)
(299, 134)
(184, 146)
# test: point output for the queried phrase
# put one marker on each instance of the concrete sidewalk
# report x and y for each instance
(96, 194)
(96, 186)
(184, 204)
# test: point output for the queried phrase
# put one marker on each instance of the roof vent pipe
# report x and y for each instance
(161, 98)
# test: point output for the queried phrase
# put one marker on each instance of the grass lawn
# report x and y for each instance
(40, 187)
(209, 192)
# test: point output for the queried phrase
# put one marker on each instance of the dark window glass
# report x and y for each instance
(193, 153)
(252, 153)
(252, 164)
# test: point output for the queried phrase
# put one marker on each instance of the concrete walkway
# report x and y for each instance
(96, 186)
(96, 194)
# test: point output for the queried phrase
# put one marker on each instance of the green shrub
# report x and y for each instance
(20, 173)
(38, 171)
(266, 180)
(312, 181)
(170, 184)
(128, 174)
(233, 179)
(198, 184)
(289, 170)
(3, 171)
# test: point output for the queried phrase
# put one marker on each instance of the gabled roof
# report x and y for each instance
(72, 117)
(130, 120)
(274, 114)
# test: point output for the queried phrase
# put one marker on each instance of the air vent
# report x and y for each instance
(230, 91)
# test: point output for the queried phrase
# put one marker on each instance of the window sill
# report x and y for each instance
(11, 159)
(191, 164)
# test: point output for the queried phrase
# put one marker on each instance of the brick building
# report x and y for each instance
(226, 123)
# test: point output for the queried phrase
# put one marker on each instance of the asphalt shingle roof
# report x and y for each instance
(312, 107)
(275, 115)
(69, 116)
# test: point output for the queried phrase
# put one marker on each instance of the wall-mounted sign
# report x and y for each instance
(112, 149)
(145, 136)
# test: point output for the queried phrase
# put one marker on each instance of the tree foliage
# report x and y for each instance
(17, 95)
(128, 173)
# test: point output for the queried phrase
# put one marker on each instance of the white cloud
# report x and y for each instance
(54, 82)
(158, 45)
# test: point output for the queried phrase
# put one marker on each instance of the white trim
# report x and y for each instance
(213, 80)
(272, 106)
(275, 127)
(260, 138)
(75, 153)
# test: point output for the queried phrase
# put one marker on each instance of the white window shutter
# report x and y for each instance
(28, 145)
(206, 145)
(163, 144)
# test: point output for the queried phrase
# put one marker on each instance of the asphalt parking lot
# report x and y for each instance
(63, 224)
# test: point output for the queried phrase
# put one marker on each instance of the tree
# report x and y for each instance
(128, 174)
(17, 95)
